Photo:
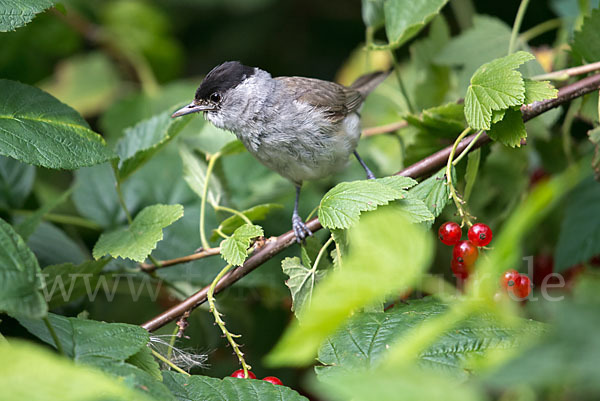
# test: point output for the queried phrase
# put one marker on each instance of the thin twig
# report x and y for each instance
(567, 73)
(275, 245)
(147, 267)
(385, 129)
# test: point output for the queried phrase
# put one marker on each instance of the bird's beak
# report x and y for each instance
(192, 108)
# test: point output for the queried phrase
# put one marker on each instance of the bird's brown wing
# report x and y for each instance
(334, 100)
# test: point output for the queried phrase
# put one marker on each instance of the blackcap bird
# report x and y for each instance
(302, 128)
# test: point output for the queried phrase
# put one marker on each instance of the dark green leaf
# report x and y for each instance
(40, 130)
(586, 41)
(510, 130)
(20, 277)
(595, 139)
(434, 192)
(16, 13)
(28, 226)
(235, 248)
(404, 19)
(473, 160)
(53, 246)
(145, 361)
(16, 181)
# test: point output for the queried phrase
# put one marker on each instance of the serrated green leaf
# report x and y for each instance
(142, 141)
(235, 248)
(255, 213)
(206, 388)
(586, 41)
(144, 360)
(579, 238)
(56, 378)
(498, 115)
(194, 173)
(495, 85)
(16, 13)
(28, 226)
(16, 182)
(433, 192)
(367, 278)
(20, 277)
(404, 19)
(67, 282)
(301, 282)
(594, 136)
(536, 91)
(38, 129)
(136, 378)
(413, 209)
(139, 239)
(342, 205)
(510, 130)
(445, 121)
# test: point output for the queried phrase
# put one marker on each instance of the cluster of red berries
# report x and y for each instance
(464, 253)
(271, 379)
(516, 283)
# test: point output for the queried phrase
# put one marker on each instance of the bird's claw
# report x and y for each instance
(300, 229)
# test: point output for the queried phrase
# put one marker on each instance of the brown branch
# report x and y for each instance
(149, 267)
(384, 129)
(277, 244)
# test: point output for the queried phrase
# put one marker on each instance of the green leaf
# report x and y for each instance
(232, 148)
(301, 282)
(473, 160)
(433, 192)
(194, 171)
(495, 85)
(145, 361)
(510, 130)
(255, 213)
(235, 248)
(366, 278)
(445, 121)
(206, 388)
(38, 129)
(67, 282)
(52, 246)
(138, 240)
(136, 378)
(372, 13)
(16, 13)
(586, 41)
(342, 205)
(142, 141)
(595, 139)
(413, 209)
(536, 91)
(579, 238)
(55, 377)
(16, 182)
(404, 19)
(20, 277)
(28, 226)
(364, 340)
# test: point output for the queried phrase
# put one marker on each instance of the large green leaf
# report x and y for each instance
(56, 378)
(139, 239)
(433, 192)
(510, 130)
(405, 18)
(146, 138)
(387, 255)
(205, 388)
(16, 13)
(586, 41)
(38, 129)
(16, 182)
(235, 248)
(579, 238)
(20, 280)
(342, 205)
(496, 85)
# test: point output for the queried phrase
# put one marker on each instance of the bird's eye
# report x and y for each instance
(215, 97)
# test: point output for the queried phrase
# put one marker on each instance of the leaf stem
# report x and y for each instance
(210, 297)
(120, 193)
(211, 164)
(321, 253)
(172, 343)
(403, 90)
(453, 194)
(514, 35)
(54, 336)
(565, 74)
(234, 212)
(169, 363)
(540, 29)
(467, 149)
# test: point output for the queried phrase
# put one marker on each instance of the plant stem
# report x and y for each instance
(453, 194)
(401, 83)
(221, 233)
(565, 129)
(233, 211)
(213, 309)
(321, 253)
(172, 342)
(540, 29)
(211, 164)
(169, 363)
(63, 219)
(467, 149)
(120, 194)
(54, 336)
(565, 74)
(514, 35)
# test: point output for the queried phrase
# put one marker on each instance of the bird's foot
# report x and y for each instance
(370, 175)
(300, 229)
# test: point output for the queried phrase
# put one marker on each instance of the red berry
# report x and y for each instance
(543, 266)
(240, 374)
(449, 233)
(509, 278)
(460, 270)
(522, 287)
(465, 252)
(273, 380)
(480, 234)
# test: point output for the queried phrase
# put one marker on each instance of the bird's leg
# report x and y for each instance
(370, 175)
(298, 225)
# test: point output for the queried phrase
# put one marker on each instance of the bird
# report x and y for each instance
(302, 128)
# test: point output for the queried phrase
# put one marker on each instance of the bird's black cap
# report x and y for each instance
(223, 77)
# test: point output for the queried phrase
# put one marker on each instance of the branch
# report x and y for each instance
(277, 244)
(149, 267)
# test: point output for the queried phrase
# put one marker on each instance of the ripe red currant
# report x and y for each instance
(460, 270)
(449, 233)
(480, 234)
(240, 374)
(465, 252)
(522, 287)
(509, 278)
(273, 380)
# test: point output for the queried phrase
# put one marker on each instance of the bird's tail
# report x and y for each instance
(366, 83)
